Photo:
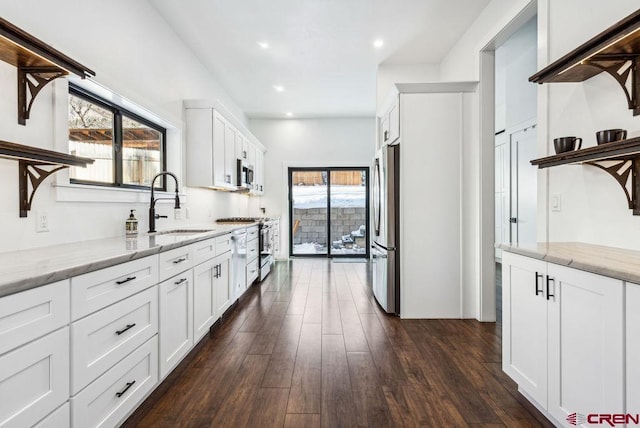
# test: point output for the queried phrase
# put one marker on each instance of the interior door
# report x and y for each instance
(524, 184)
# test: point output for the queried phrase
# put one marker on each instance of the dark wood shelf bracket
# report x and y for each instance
(31, 80)
(625, 172)
(37, 64)
(34, 166)
(626, 71)
(31, 175)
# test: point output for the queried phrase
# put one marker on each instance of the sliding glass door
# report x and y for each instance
(329, 212)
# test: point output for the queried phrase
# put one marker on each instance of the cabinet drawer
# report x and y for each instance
(102, 339)
(96, 290)
(204, 250)
(252, 250)
(60, 418)
(223, 244)
(111, 398)
(34, 380)
(252, 233)
(174, 261)
(33, 313)
(252, 271)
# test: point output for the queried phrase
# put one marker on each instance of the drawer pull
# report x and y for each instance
(131, 278)
(129, 326)
(180, 282)
(184, 259)
(126, 388)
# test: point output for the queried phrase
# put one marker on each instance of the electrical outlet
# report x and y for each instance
(177, 214)
(42, 221)
(187, 214)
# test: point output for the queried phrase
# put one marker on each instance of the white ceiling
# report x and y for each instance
(321, 51)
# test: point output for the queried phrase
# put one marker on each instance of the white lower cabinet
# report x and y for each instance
(115, 394)
(563, 337)
(34, 380)
(60, 418)
(204, 298)
(633, 347)
(102, 339)
(223, 286)
(176, 320)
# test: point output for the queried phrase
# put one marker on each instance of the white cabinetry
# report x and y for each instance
(210, 149)
(431, 137)
(108, 400)
(252, 255)
(107, 336)
(390, 122)
(176, 320)
(258, 173)
(633, 346)
(563, 336)
(222, 281)
(204, 298)
(34, 380)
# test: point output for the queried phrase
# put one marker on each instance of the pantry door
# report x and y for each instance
(329, 212)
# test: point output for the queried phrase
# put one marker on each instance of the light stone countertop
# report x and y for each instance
(613, 262)
(26, 269)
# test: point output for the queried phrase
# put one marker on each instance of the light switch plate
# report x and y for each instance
(556, 202)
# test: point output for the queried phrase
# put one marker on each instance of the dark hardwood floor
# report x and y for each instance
(309, 347)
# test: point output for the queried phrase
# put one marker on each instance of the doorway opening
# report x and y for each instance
(329, 212)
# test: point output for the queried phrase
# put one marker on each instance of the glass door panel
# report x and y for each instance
(308, 205)
(348, 197)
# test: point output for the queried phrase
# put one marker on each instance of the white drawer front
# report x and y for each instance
(33, 313)
(252, 250)
(252, 271)
(204, 250)
(223, 244)
(34, 380)
(102, 339)
(174, 261)
(111, 398)
(252, 233)
(95, 290)
(60, 418)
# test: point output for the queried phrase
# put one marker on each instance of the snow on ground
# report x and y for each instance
(341, 196)
(313, 248)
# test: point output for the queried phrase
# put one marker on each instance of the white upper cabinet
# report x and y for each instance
(390, 123)
(210, 149)
(214, 145)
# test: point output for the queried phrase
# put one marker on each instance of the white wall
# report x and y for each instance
(516, 60)
(133, 53)
(594, 208)
(308, 142)
(388, 74)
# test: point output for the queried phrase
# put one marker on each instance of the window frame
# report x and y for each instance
(118, 134)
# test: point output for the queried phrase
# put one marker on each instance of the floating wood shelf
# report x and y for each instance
(37, 63)
(615, 51)
(34, 166)
(620, 159)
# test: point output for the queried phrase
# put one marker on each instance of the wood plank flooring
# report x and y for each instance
(309, 347)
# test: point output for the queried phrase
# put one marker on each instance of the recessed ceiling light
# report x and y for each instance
(278, 88)
(263, 45)
(378, 43)
(289, 114)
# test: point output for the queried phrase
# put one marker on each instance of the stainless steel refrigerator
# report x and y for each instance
(386, 230)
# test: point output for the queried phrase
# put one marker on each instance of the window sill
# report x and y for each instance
(86, 193)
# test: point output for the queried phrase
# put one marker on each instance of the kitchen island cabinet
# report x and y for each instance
(563, 340)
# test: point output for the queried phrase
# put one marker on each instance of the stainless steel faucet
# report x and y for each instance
(152, 207)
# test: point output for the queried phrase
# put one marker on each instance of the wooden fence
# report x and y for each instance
(311, 178)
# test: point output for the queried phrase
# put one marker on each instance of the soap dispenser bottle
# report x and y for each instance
(131, 225)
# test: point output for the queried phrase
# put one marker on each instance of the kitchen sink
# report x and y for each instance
(181, 232)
